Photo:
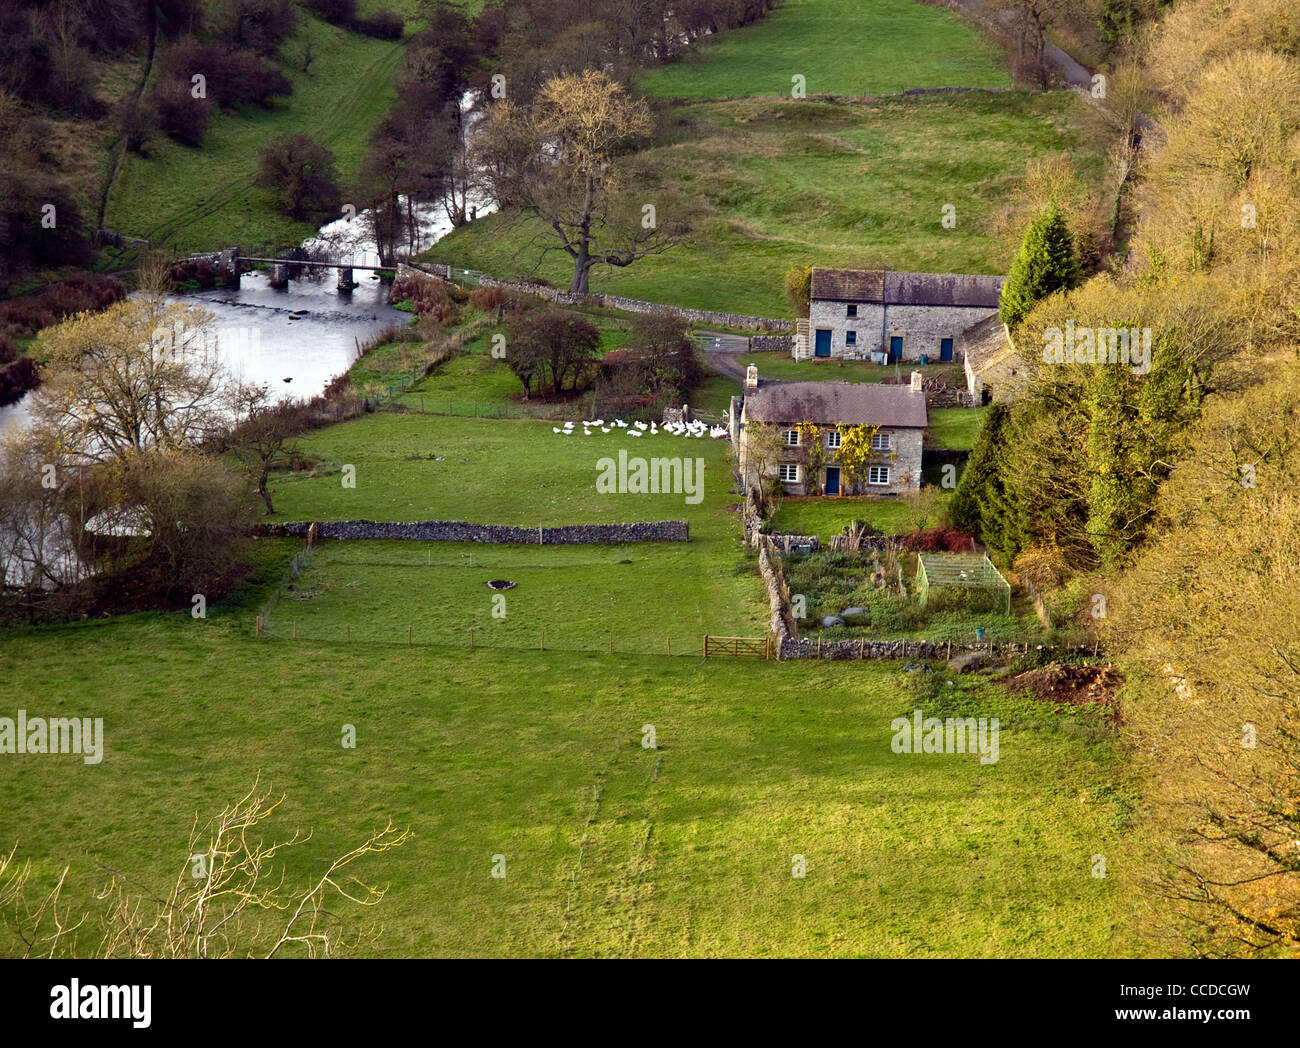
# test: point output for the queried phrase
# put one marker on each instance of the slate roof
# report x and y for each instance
(846, 403)
(984, 343)
(906, 289)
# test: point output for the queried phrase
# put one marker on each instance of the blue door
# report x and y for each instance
(896, 348)
(832, 480)
(823, 346)
(945, 349)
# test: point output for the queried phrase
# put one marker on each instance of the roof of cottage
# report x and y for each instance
(985, 343)
(906, 289)
(838, 403)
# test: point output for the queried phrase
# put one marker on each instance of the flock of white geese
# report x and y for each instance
(638, 429)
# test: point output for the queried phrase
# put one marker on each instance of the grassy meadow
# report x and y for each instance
(841, 47)
(203, 199)
(611, 850)
(787, 183)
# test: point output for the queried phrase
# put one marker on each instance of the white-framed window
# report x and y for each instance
(791, 438)
(833, 439)
(882, 441)
(878, 475)
(789, 472)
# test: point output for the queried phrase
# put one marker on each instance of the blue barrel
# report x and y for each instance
(979, 634)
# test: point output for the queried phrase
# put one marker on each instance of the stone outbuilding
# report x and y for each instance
(995, 369)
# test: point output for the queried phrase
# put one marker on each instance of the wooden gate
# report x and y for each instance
(753, 647)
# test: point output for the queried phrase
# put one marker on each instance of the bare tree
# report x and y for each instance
(556, 161)
(261, 439)
(229, 898)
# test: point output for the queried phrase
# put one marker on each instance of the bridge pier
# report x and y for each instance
(280, 276)
(346, 283)
(228, 266)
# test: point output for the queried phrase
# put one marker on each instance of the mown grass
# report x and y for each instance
(576, 598)
(844, 47)
(203, 199)
(434, 467)
(954, 428)
(826, 516)
(685, 851)
(814, 183)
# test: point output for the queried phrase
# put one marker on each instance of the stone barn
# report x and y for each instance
(892, 317)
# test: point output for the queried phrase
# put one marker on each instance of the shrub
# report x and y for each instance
(487, 299)
(382, 25)
(8, 348)
(937, 540)
(231, 76)
(16, 379)
(180, 114)
(137, 124)
(302, 173)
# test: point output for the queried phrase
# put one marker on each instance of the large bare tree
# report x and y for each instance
(556, 159)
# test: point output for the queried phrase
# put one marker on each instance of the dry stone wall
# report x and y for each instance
(460, 531)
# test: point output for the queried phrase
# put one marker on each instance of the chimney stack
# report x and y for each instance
(751, 377)
(916, 382)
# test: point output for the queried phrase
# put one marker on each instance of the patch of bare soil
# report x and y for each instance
(1072, 684)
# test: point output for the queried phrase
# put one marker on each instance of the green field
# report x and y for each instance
(570, 598)
(798, 183)
(954, 428)
(843, 47)
(202, 199)
(537, 757)
(826, 517)
(434, 467)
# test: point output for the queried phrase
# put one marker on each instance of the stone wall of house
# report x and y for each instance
(771, 344)
(921, 328)
(459, 531)
(1005, 379)
(903, 460)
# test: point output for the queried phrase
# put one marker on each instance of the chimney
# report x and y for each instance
(916, 382)
(751, 377)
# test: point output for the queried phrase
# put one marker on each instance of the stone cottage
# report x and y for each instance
(858, 313)
(898, 411)
(995, 369)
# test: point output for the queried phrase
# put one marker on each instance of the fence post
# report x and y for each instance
(295, 629)
(670, 645)
(543, 640)
(704, 648)
(408, 635)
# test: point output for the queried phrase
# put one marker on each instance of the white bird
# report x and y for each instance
(598, 422)
(653, 432)
(604, 429)
(640, 425)
(586, 432)
(633, 432)
(620, 423)
(555, 429)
